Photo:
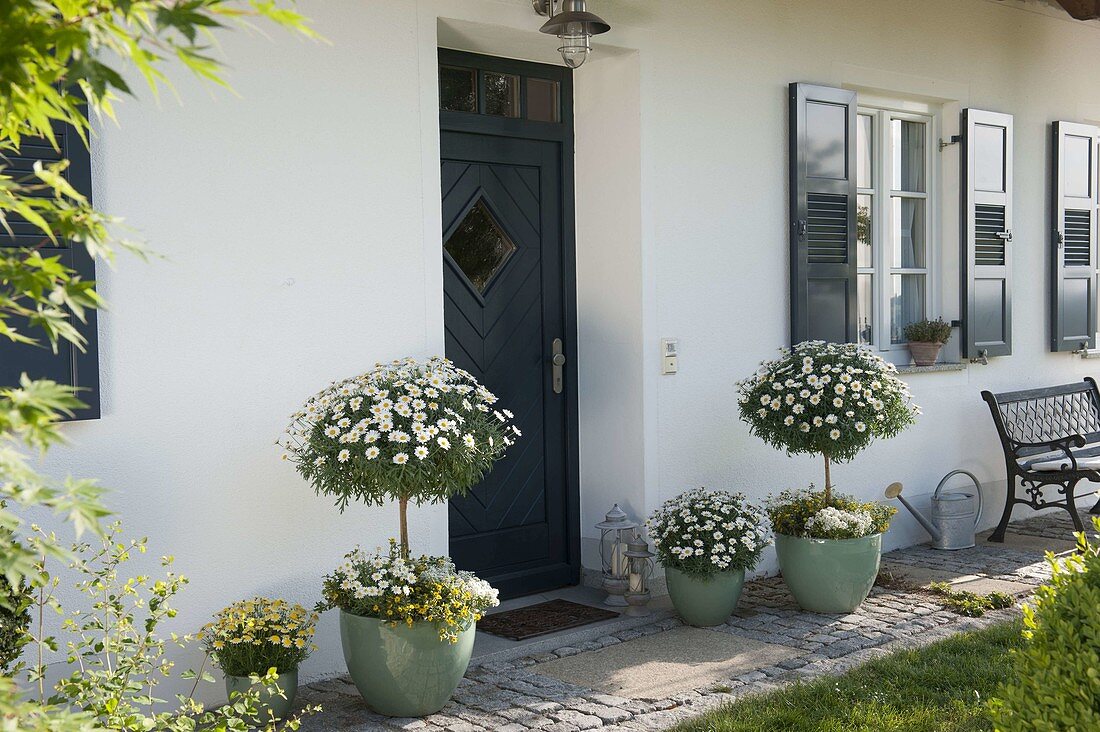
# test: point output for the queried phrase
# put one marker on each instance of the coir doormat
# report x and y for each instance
(545, 617)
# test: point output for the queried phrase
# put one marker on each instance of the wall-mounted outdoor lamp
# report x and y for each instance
(571, 22)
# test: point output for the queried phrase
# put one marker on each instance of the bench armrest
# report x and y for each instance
(1063, 443)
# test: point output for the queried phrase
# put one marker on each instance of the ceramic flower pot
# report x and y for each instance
(403, 671)
(924, 354)
(704, 602)
(829, 575)
(278, 707)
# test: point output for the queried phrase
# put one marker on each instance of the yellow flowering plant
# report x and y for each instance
(399, 590)
(252, 636)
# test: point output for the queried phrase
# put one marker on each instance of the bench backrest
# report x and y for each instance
(1041, 415)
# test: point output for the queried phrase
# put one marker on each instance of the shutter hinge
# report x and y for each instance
(1006, 235)
(800, 228)
(1059, 238)
(953, 140)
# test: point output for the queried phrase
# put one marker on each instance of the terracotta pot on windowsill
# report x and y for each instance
(924, 354)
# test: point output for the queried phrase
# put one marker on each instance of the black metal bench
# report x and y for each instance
(1050, 437)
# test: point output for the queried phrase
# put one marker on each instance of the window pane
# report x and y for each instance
(866, 296)
(908, 235)
(908, 146)
(864, 252)
(906, 304)
(479, 246)
(864, 150)
(457, 89)
(543, 104)
(501, 94)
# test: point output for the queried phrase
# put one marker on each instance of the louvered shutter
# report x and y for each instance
(69, 365)
(986, 233)
(1073, 248)
(823, 213)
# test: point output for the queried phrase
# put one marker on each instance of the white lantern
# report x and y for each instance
(615, 532)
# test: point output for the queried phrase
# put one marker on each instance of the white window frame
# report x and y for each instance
(882, 112)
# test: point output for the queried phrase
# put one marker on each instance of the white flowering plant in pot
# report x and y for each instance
(706, 540)
(702, 532)
(406, 431)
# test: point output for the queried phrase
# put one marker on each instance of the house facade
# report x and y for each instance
(558, 232)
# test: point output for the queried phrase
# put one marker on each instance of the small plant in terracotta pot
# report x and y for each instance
(926, 338)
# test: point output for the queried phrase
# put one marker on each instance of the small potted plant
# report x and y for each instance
(407, 626)
(926, 338)
(252, 637)
(706, 540)
(407, 431)
(832, 400)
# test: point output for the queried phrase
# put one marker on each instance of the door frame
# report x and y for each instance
(562, 133)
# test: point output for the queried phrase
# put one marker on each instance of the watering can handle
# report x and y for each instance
(977, 486)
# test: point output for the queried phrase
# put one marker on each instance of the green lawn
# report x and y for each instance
(937, 688)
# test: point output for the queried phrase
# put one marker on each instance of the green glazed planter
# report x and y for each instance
(704, 602)
(829, 575)
(277, 705)
(402, 671)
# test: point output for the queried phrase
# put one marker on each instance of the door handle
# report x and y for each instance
(557, 362)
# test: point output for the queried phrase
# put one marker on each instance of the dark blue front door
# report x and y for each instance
(506, 264)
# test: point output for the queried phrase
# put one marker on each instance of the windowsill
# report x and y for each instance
(934, 368)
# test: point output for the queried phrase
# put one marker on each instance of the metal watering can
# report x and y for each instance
(954, 513)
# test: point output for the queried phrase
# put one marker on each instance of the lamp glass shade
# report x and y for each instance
(574, 49)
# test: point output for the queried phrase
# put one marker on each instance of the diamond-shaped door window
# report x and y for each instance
(479, 246)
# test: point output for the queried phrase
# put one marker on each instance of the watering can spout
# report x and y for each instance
(894, 491)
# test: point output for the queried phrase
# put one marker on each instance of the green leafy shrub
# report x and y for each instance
(928, 331)
(119, 654)
(701, 532)
(15, 617)
(1056, 680)
(812, 514)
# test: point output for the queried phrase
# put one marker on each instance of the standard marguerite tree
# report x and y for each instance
(419, 431)
(832, 400)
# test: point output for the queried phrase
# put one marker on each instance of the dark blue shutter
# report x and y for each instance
(1073, 245)
(823, 213)
(986, 218)
(69, 365)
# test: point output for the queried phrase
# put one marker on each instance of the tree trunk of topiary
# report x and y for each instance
(828, 483)
(403, 506)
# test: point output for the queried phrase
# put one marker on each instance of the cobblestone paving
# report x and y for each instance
(513, 697)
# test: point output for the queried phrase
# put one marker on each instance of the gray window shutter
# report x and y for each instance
(1073, 249)
(986, 218)
(69, 365)
(823, 213)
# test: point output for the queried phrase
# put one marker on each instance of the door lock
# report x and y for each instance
(557, 362)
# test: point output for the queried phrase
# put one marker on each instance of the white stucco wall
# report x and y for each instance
(299, 223)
